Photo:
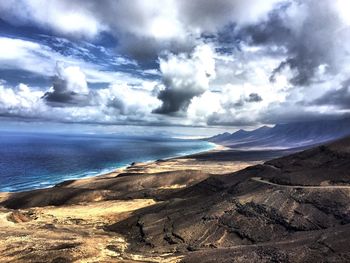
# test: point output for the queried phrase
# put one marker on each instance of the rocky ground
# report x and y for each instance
(68, 223)
(212, 207)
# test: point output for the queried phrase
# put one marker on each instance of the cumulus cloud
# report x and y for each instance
(338, 98)
(69, 87)
(213, 62)
(313, 34)
(302, 53)
(40, 59)
(20, 102)
(185, 77)
(203, 106)
(23, 55)
(143, 28)
(128, 101)
(211, 16)
(71, 100)
(253, 97)
(64, 17)
(146, 29)
(232, 106)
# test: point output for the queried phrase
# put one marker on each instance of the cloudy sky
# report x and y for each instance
(206, 64)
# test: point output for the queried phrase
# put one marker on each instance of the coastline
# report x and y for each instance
(124, 168)
(150, 165)
(89, 205)
(88, 208)
(186, 161)
(46, 184)
(172, 210)
(145, 166)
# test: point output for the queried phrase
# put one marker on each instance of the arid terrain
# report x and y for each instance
(218, 206)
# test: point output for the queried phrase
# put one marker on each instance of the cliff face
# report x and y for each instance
(286, 135)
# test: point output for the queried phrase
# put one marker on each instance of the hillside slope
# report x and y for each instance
(291, 209)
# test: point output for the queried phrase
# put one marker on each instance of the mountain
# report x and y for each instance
(291, 135)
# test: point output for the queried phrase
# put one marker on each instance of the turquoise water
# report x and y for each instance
(31, 160)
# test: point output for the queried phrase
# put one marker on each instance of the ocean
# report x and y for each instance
(34, 160)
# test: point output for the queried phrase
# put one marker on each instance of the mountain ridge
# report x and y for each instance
(291, 135)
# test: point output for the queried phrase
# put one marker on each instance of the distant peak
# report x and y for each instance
(241, 131)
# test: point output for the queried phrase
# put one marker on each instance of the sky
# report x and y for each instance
(202, 65)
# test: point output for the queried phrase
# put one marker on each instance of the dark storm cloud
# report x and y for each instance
(213, 15)
(184, 77)
(142, 29)
(132, 25)
(224, 119)
(311, 38)
(254, 97)
(132, 21)
(175, 101)
(288, 112)
(339, 98)
(137, 25)
(147, 50)
(208, 14)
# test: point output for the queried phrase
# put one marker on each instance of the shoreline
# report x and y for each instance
(118, 169)
(165, 203)
(121, 169)
(217, 149)
(151, 166)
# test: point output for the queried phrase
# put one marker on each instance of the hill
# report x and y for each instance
(291, 209)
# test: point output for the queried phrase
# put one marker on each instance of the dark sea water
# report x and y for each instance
(30, 161)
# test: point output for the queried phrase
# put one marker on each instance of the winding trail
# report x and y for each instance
(260, 180)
